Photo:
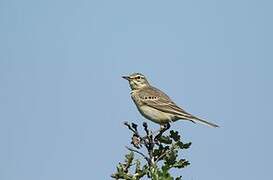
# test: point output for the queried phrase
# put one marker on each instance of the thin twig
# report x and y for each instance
(136, 151)
(162, 156)
(145, 125)
(130, 127)
(165, 153)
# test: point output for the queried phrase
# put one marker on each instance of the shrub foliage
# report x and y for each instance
(157, 154)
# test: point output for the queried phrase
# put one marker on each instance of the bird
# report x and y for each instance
(157, 106)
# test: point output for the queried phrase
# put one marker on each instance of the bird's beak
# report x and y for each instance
(126, 77)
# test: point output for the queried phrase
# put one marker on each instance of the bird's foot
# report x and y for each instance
(162, 129)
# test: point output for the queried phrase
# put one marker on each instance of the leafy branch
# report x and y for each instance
(159, 154)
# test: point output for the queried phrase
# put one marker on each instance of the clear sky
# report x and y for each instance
(62, 99)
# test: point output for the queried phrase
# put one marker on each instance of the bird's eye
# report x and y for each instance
(138, 77)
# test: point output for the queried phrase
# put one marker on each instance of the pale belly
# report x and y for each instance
(156, 115)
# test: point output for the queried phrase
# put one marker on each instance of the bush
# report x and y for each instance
(161, 154)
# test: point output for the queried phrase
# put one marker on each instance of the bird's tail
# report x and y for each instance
(198, 120)
(201, 121)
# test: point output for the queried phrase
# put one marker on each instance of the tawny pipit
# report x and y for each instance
(156, 105)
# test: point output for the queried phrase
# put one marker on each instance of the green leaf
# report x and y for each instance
(119, 168)
(182, 145)
(181, 163)
(174, 135)
(157, 152)
(178, 178)
(129, 158)
(165, 139)
(187, 145)
(138, 166)
(170, 158)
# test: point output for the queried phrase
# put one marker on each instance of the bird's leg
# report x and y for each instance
(163, 128)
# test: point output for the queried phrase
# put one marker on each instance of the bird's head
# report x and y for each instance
(137, 81)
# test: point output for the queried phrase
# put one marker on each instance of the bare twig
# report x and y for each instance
(145, 125)
(134, 130)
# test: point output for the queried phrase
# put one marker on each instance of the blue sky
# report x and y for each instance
(62, 100)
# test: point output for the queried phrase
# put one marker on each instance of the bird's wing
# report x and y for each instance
(157, 99)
